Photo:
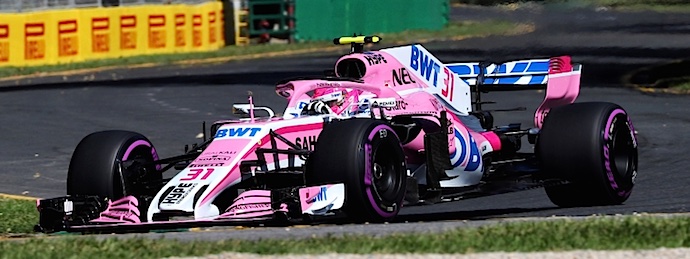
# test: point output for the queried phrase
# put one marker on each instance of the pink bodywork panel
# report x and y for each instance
(388, 74)
(379, 80)
(491, 137)
(251, 204)
(123, 210)
(562, 88)
(297, 90)
(289, 132)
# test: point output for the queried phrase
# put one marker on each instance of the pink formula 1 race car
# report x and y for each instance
(383, 130)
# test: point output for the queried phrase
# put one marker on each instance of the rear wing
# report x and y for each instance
(513, 75)
(558, 75)
(454, 83)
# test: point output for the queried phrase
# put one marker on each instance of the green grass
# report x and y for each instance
(680, 85)
(685, 86)
(456, 30)
(671, 77)
(17, 216)
(632, 232)
(452, 31)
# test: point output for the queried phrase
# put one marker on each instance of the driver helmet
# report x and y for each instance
(339, 100)
(333, 97)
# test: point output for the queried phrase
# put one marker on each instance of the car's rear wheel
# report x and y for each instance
(96, 166)
(367, 156)
(593, 146)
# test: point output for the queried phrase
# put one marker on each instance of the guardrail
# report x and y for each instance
(39, 5)
(73, 35)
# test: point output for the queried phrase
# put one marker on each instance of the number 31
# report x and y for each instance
(449, 82)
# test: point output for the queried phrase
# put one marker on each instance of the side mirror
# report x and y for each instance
(244, 108)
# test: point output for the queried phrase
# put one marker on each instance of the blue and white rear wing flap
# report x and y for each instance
(514, 75)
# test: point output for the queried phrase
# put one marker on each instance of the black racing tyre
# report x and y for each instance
(592, 145)
(365, 155)
(95, 167)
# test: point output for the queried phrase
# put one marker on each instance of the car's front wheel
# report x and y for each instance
(100, 161)
(367, 156)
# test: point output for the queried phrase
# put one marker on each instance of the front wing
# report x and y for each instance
(90, 214)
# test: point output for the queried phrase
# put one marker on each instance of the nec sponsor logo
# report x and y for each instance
(402, 77)
(236, 132)
(424, 64)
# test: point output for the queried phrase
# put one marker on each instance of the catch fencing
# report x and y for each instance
(14, 6)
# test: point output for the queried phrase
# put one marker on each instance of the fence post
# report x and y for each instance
(229, 16)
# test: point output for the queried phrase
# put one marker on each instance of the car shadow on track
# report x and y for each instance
(469, 215)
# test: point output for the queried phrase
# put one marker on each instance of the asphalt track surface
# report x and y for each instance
(41, 121)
